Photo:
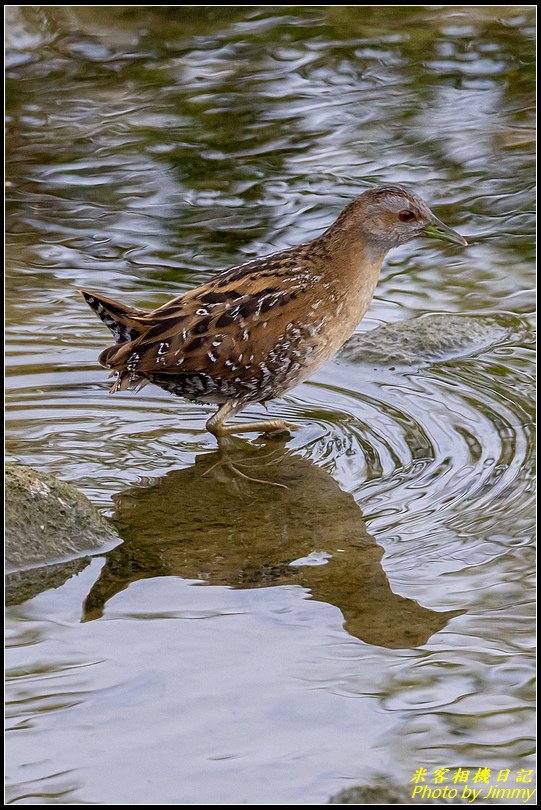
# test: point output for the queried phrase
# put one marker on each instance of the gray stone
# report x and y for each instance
(428, 339)
(49, 521)
(385, 792)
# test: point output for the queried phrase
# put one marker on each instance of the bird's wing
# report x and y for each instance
(235, 319)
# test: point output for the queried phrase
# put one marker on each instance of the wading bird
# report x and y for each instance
(257, 329)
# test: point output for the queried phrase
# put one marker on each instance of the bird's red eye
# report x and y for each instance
(406, 216)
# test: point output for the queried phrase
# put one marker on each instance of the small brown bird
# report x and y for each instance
(258, 329)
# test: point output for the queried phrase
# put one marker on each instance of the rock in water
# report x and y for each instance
(48, 521)
(428, 339)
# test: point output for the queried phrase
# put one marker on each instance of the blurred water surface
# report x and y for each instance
(376, 616)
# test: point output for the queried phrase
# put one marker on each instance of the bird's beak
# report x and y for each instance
(437, 230)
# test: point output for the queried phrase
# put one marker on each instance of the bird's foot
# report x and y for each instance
(270, 427)
(281, 431)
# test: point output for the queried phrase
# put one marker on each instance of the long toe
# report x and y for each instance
(281, 428)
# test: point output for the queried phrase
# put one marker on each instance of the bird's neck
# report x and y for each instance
(351, 264)
(348, 270)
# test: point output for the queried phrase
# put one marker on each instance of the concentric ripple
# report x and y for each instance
(449, 443)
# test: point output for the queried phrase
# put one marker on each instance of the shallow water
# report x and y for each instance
(248, 643)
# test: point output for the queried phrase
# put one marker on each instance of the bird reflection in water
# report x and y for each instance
(206, 523)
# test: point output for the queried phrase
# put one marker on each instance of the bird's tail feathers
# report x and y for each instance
(126, 323)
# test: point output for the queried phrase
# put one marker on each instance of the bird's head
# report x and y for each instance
(389, 216)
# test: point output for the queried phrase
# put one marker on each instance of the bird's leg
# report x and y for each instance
(216, 424)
